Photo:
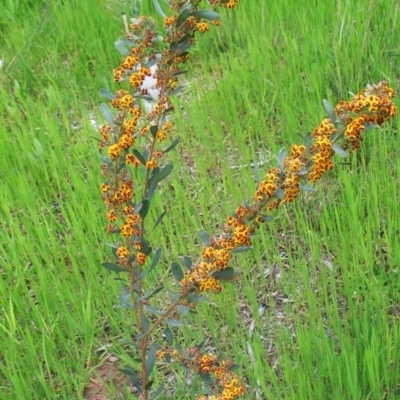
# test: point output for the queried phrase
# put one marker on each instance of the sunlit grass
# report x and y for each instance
(315, 311)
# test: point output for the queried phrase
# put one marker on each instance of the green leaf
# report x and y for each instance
(279, 194)
(139, 156)
(120, 46)
(183, 16)
(174, 323)
(137, 208)
(205, 237)
(330, 111)
(226, 273)
(157, 39)
(157, 392)
(149, 384)
(146, 249)
(195, 298)
(282, 155)
(108, 115)
(183, 310)
(179, 73)
(303, 171)
(145, 324)
(159, 9)
(368, 127)
(241, 249)
(133, 377)
(151, 358)
(339, 150)
(201, 344)
(206, 378)
(176, 272)
(107, 94)
(177, 90)
(169, 336)
(145, 208)
(158, 220)
(156, 258)
(153, 310)
(150, 193)
(153, 130)
(308, 142)
(308, 189)
(267, 218)
(113, 267)
(187, 261)
(150, 293)
(208, 15)
(128, 342)
(164, 172)
(172, 145)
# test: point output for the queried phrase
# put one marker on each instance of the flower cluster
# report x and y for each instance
(282, 185)
(371, 106)
(231, 387)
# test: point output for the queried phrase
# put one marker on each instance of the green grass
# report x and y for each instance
(321, 288)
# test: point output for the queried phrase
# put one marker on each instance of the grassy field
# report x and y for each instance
(315, 312)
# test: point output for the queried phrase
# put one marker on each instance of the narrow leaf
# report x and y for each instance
(226, 273)
(153, 130)
(145, 324)
(120, 46)
(176, 272)
(280, 194)
(164, 172)
(339, 150)
(282, 155)
(151, 359)
(205, 237)
(241, 249)
(187, 261)
(308, 189)
(133, 377)
(149, 384)
(172, 145)
(113, 267)
(158, 220)
(208, 15)
(267, 218)
(145, 208)
(179, 73)
(137, 208)
(139, 156)
(174, 323)
(168, 336)
(159, 9)
(150, 293)
(156, 258)
(330, 111)
(153, 310)
(107, 94)
(183, 310)
(308, 142)
(303, 171)
(107, 113)
(176, 91)
(183, 16)
(206, 378)
(157, 392)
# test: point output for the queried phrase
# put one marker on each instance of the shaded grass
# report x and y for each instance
(320, 288)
